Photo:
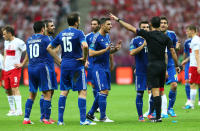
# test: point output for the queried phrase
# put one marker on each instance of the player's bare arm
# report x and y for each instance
(178, 45)
(174, 56)
(196, 52)
(123, 23)
(23, 63)
(116, 48)
(111, 62)
(85, 51)
(99, 52)
(51, 51)
(137, 50)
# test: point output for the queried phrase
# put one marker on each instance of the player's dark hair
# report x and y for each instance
(96, 19)
(143, 22)
(72, 18)
(103, 20)
(46, 22)
(155, 22)
(164, 18)
(10, 29)
(38, 26)
(192, 27)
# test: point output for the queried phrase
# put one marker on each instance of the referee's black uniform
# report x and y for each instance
(156, 68)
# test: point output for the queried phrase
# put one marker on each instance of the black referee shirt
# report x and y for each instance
(156, 44)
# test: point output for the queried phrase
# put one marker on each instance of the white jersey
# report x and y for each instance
(194, 45)
(13, 52)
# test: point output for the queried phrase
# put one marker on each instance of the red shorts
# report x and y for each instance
(2, 74)
(194, 76)
(12, 78)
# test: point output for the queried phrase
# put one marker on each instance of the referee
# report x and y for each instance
(156, 68)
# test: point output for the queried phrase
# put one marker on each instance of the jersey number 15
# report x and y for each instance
(67, 44)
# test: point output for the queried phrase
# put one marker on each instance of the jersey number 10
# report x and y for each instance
(67, 44)
(34, 50)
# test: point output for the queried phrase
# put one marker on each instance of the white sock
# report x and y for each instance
(18, 101)
(149, 103)
(193, 93)
(164, 104)
(11, 102)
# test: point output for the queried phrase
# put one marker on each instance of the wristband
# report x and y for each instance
(118, 20)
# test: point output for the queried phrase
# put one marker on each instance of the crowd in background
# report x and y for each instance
(133, 11)
(21, 14)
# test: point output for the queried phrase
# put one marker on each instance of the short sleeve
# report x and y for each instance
(94, 41)
(22, 45)
(82, 37)
(56, 41)
(169, 43)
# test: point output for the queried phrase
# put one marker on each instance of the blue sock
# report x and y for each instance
(42, 107)
(47, 109)
(102, 105)
(199, 94)
(28, 108)
(94, 92)
(151, 109)
(61, 107)
(82, 108)
(172, 98)
(95, 105)
(187, 90)
(139, 102)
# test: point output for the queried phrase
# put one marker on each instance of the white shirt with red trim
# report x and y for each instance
(194, 45)
(13, 52)
(1, 61)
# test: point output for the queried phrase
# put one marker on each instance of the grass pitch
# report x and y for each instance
(120, 107)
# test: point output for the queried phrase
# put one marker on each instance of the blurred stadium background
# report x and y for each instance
(21, 14)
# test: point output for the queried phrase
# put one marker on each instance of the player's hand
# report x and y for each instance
(82, 59)
(86, 64)
(145, 43)
(108, 48)
(113, 17)
(178, 69)
(198, 70)
(166, 75)
(18, 65)
(178, 44)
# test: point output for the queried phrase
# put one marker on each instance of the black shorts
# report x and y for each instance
(156, 74)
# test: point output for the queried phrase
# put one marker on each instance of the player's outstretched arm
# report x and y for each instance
(137, 50)
(53, 54)
(123, 23)
(174, 56)
(23, 63)
(99, 52)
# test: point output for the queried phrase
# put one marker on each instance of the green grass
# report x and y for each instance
(121, 108)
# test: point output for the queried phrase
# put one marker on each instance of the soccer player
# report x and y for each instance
(186, 54)
(13, 49)
(100, 50)
(194, 69)
(156, 45)
(138, 48)
(95, 25)
(49, 31)
(39, 71)
(74, 55)
(172, 76)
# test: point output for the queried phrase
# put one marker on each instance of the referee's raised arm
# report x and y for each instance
(123, 23)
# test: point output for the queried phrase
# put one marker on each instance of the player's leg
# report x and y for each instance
(65, 86)
(164, 103)
(10, 95)
(28, 108)
(15, 81)
(42, 107)
(140, 84)
(173, 91)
